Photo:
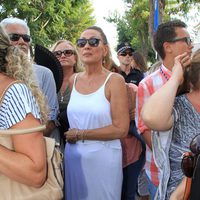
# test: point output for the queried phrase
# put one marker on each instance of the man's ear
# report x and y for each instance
(167, 47)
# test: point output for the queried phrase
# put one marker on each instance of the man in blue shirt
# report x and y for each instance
(19, 34)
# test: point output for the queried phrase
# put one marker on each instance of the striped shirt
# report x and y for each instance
(18, 101)
(146, 88)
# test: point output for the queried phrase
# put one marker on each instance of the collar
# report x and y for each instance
(165, 72)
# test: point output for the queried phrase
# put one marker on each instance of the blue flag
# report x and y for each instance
(156, 15)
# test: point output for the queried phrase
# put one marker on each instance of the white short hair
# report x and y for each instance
(14, 20)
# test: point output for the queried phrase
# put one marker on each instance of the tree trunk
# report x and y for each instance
(151, 21)
(144, 44)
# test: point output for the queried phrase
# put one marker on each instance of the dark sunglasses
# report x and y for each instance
(125, 54)
(187, 40)
(67, 53)
(93, 42)
(15, 37)
(188, 162)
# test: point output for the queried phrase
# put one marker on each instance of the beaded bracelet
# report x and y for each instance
(77, 134)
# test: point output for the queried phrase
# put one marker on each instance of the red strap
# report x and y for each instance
(187, 189)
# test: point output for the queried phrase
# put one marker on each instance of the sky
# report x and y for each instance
(102, 8)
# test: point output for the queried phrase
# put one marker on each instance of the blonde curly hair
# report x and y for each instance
(15, 64)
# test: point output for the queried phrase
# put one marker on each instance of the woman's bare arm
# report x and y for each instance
(116, 93)
(157, 111)
(27, 163)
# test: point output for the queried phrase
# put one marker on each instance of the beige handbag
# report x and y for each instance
(52, 188)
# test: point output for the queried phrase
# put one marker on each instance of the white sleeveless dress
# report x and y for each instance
(93, 169)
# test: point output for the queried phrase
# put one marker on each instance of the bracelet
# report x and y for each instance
(82, 136)
(77, 134)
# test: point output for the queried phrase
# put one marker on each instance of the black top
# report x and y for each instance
(135, 76)
(195, 192)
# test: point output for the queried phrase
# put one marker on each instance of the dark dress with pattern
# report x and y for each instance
(186, 127)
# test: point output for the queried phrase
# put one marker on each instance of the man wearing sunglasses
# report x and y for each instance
(125, 57)
(170, 40)
(19, 34)
(132, 143)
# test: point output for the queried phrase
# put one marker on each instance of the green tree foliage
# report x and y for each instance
(133, 26)
(181, 7)
(50, 20)
(136, 25)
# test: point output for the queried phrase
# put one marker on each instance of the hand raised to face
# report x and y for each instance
(181, 62)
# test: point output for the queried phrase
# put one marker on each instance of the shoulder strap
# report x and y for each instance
(22, 131)
(107, 78)
(75, 78)
(17, 131)
(187, 188)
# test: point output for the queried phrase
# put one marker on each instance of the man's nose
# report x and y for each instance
(21, 40)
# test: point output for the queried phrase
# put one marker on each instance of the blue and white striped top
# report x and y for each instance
(18, 101)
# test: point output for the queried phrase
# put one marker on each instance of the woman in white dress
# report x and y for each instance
(98, 117)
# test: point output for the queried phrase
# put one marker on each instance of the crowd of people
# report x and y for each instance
(122, 129)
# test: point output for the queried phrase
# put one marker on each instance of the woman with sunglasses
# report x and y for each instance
(98, 118)
(66, 53)
(180, 115)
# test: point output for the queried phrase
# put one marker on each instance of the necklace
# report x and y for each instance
(61, 98)
(163, 73)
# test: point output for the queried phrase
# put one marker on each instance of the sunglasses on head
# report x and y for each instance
(93, 42)
(67, 53)
(188, 162)
(187, 40)
(15, 37)
(125, 53)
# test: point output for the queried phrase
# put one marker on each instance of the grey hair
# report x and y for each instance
(14, 20)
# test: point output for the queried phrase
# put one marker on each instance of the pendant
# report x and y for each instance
(62, 98)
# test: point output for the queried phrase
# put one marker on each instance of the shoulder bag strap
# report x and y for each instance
(187, 189)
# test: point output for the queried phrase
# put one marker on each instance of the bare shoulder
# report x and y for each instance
(116, 82)
(5, 81)
(116, 79)
(72, 77)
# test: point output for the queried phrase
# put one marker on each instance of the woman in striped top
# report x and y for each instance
(22, 106)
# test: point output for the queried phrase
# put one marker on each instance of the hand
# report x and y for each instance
(181, 62)
(71, 136)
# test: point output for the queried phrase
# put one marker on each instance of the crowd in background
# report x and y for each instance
(123, 130)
